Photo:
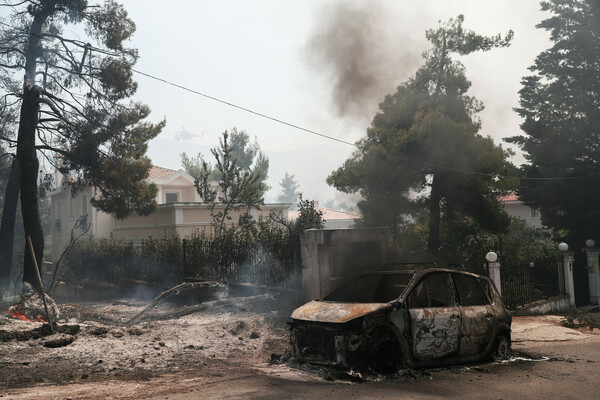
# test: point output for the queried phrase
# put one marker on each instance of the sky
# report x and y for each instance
(322, 65)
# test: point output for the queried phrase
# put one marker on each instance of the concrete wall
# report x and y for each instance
(555, 305)
(329, 257)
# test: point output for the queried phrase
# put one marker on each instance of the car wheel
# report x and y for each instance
(387, 356)
(501, 348)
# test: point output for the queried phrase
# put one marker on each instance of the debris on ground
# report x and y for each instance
(91, 342)
(31, 307)
(580, 318)
(58, 340)
(171, 292)
(36, 333)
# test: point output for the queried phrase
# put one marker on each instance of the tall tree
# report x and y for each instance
(423, 139)
(560, 105)
(289, 190)
(73, 108)
(238, 187)
(10, 177)
(247, 155)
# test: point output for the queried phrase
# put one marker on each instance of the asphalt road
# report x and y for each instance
(567, 367)
(571, 373)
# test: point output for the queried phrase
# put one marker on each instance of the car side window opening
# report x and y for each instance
(432, 291)
(470, 292)
(487, 289)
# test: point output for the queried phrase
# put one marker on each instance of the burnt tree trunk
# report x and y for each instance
(433, 240)
(26, 151)
(27, 157)
(7, 228)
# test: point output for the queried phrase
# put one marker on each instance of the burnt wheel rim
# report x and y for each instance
(502, 348)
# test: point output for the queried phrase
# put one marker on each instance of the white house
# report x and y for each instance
(516, 208)
(180, 212)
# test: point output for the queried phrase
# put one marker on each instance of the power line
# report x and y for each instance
(244, 108)
(393, 156)
(280, 121)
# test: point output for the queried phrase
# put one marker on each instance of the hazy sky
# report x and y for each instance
(297, 60)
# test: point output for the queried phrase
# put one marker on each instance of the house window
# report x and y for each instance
(533, 212)
(71, 211)
(171, 197)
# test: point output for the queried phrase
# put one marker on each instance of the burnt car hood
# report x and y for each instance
(333, 312)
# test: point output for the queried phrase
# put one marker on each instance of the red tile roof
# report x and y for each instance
(160, 173)
(508, 197)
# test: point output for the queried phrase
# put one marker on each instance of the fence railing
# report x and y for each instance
(171, 261)
(528, 282)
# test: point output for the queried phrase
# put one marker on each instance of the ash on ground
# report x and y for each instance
(104, 349)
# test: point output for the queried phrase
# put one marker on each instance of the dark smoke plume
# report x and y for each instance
(364, 53)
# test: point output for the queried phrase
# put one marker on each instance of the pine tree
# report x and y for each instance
(423, 137)
(238, 186)
(289, 190)
(72, 106)
(560, 105)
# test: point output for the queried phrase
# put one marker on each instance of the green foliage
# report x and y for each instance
(466, 243)
(423, 137)
(580, 318)
(559, 106)
(289, 190)
(86, 127)
(309, 216)
(264, 252)
(248, 158)
(239, 186)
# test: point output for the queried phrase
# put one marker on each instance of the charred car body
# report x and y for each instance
(418, 318)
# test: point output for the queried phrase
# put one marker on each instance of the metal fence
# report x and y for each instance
(528, 282)
(170, 261)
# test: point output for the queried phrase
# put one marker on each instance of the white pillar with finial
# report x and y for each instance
(568, 258)
(494, 270)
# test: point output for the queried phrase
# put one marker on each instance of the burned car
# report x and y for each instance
(417, 318)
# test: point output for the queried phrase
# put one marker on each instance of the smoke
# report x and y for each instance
(363, 51)
(344, 202)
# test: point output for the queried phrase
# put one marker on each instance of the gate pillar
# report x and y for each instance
(593, 268)
(494, 270)
(568, 258)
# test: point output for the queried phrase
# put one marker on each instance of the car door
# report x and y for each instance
(435, 317)
(477, 314)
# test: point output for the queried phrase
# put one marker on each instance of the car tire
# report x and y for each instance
(501, 348)
(387, 356)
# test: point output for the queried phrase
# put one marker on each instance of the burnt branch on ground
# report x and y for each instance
(211, 305)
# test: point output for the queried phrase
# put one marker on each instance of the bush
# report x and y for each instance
(265, 252)
(466, 244)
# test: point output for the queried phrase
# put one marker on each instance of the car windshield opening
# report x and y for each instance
(371, 288)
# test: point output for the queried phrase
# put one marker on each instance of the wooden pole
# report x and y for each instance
(39, 278)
